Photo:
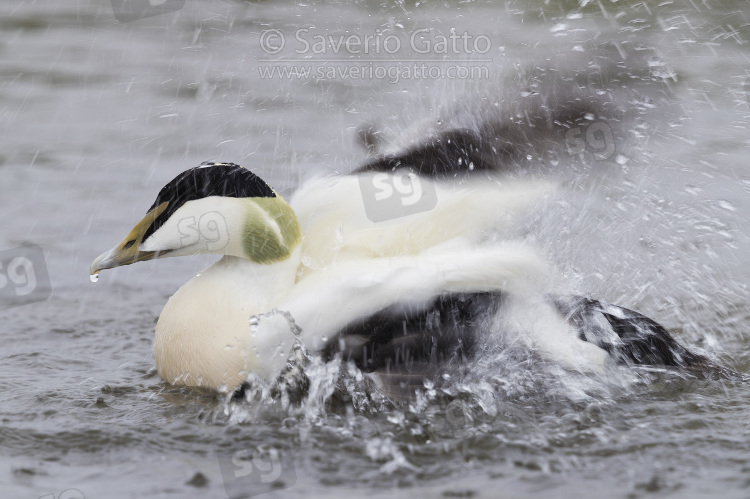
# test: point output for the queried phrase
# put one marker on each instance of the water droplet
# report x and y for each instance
(94, 277)
(558, 27)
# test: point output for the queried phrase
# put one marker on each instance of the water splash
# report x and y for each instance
(506, 380)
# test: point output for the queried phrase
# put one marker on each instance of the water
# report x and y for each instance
(97, 115)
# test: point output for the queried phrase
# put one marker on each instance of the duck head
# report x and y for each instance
(216, 208)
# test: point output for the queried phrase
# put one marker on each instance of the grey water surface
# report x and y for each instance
(96, 115)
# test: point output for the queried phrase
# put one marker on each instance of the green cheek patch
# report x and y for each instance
(263, 243)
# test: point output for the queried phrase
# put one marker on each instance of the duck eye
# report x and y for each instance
(129, 244)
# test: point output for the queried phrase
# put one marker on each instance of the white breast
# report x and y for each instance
(203, 337)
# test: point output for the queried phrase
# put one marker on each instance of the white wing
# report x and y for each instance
(333, 214)
(333, 297)
(336, 296)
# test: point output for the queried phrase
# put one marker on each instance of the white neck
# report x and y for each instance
(203, 337)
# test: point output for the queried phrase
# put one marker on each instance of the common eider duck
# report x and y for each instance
(400, 296)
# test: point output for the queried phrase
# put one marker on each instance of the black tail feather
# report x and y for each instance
(634, 339)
